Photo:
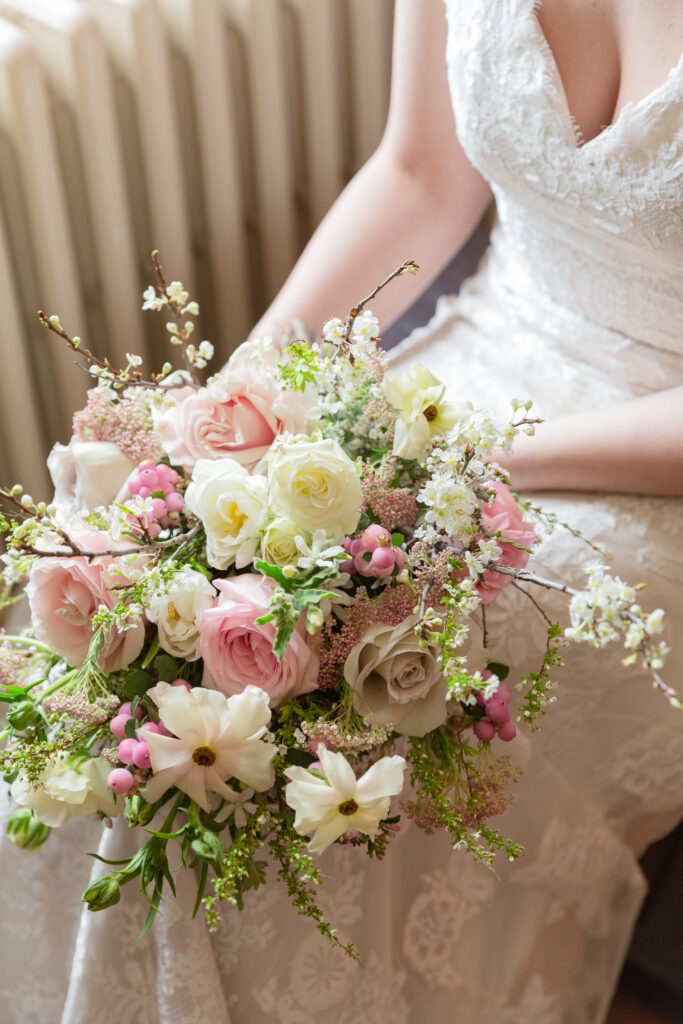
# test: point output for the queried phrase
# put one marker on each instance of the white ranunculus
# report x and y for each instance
(395, 682)
(315, 484)
(232, 505)
(215, 738)
(419, 398)
(278, 544)
(66, 789)
(177, 610)
(333, 805)
(86, 474)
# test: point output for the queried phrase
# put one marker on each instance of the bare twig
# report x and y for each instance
(410, 266)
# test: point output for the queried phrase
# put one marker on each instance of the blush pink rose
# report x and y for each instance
(239, 415)
(504, 514)
(238, 652)
(64, 594)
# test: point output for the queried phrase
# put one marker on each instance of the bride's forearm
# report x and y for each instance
(634, 447)
(387, 214)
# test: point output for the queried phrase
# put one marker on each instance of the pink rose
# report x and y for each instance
(64, 594)
(238, 415)
(504, 514)
(237, 652)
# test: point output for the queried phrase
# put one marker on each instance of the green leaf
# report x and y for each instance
(129, 728)
(167, 668)
(137, 683)
(281, 640)
(273, 572)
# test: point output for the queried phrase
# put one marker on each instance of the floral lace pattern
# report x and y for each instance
(578, 304)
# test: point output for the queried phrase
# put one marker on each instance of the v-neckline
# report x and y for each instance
(579, 144)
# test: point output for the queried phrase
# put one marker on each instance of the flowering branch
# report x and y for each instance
(409, 267)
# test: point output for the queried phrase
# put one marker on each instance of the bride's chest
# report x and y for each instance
(514, 121)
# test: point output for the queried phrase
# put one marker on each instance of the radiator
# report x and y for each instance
(218, 131)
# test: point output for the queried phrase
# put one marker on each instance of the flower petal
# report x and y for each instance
(339, 772)
(384, 778)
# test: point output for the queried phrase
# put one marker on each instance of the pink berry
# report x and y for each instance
(400, 557)
(146, 464)
(503, 693)
(356, 547)
(347, 545)
(126, 750)
(149, 478)
(346, 566)
(159, 508)
(175, 502)
(383, 558)
(181, 682)
(154, 530)
(383, 574)
(118, 725)
(127, 709)
(497, 710)
(173, 476)
(315, 766)
(362, 563)
(374, 536)
(120, 781)
(145, 491)
(484, 731)
(314, 746)
(507, 731)
(152, 727)
(141, 758)
(487, 673)
(135, 483)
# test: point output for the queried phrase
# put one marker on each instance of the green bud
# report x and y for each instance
(208, 846)
(22, 714)
(103, 893)
(26, 830)
(138, 811)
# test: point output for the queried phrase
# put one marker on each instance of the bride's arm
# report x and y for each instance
(418, 197)
(634, 447)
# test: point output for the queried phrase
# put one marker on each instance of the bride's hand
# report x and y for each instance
(635, 447)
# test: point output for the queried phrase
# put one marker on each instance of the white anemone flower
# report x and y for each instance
(216, 738)
(332, 805)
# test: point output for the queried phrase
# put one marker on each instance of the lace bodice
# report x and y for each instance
(597, 225)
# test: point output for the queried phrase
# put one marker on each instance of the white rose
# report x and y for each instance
(66, 789)
(393, 681)
(315, 484)
(176, 611)
(418, 395)
(87, 474)
(278, 544)
(232, 507)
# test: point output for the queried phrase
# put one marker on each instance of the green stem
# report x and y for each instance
(66, 682)
(27, 642)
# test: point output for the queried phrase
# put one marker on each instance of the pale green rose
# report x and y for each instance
(278, 544)
(419, 398)
(315, 485)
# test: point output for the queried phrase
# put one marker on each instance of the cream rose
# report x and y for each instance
(278, 544)
(86, 474)
(419, 397)
(316, 485)
(176, 611)
(67, 789)
(232, 505)
(393, 681)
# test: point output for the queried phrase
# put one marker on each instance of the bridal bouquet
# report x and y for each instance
(258, 613)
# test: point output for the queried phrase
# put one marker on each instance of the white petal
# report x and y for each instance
(385, 778)
(339, 772)
(327, 834)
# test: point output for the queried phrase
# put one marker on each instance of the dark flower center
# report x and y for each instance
(431, 412)
(347, 808)
(204, 756)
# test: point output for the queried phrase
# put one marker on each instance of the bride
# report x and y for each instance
(579, 306)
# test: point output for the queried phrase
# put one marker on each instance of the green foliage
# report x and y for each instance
(301, 366)
(538, 684)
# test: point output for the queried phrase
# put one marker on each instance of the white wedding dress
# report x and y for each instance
(579, 303)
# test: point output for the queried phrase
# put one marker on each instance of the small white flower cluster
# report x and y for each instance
(451, 505)
(478, 561)
(608, 609)
(119, 520)
(365, 327)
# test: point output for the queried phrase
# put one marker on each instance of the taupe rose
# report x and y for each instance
(393, 681)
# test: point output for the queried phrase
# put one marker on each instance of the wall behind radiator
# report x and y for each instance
(218, 131)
